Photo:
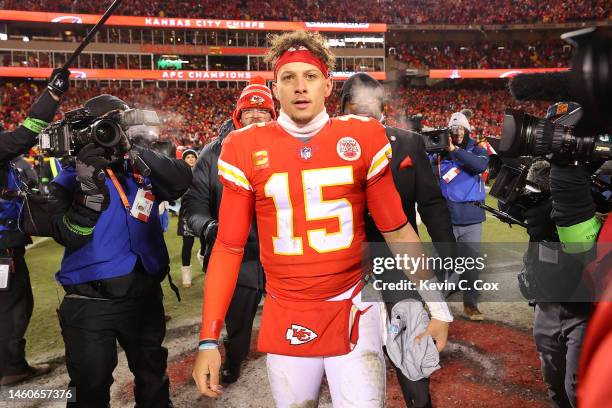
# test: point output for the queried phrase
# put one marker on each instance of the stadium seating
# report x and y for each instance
(384, 11)
(191, 117)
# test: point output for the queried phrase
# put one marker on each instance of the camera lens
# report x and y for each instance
(106, 133)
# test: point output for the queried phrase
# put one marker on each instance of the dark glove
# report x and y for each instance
(209, 236)
(59, 82)
(92, 191)
(540, 226)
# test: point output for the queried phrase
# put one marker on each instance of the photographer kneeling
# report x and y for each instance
(105, 212)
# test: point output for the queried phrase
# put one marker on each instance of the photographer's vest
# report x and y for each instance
(10, 208)
(118, 239)
(462, 187)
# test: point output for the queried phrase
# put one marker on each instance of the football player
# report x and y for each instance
(308, 179)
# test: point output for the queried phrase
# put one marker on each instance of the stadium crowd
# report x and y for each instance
(482, 56)
(192, 117)
(383, 11)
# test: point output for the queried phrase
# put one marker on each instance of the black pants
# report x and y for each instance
(239, 324)
(558, 335)
(186, 251)
(16, 305)
(416, 393)
(91, 329)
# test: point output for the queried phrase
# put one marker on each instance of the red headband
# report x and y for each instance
(302, 54)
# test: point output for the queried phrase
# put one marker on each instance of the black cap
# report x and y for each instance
(360, 79)
(102, 104)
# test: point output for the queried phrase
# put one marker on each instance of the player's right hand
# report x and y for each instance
(206, 372)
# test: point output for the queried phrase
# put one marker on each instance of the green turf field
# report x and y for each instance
(44, 258)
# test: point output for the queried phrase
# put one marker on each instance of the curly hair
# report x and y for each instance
(315, 42)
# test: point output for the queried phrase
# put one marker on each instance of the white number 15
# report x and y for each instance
(316, 208)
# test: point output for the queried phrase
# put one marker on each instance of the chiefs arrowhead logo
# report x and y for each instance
(257, 100)
(297, 335)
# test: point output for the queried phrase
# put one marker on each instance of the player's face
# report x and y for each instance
(301, 90)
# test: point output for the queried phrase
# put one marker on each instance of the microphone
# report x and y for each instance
(548, 87)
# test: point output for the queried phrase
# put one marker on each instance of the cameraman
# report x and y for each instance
(363, 95)
(105, 213)
(459, 171)
(16, 299)
(567, 217)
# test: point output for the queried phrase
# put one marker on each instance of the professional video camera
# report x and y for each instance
(584, 135)
(520, 188)
(528, 135)
(436, 141)
(80, 127)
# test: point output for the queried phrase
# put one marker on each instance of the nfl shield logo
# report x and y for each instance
(306, 153)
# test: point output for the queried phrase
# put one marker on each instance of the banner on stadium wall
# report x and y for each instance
(487, 73)
(199, 50)
(188, 23)
(157, 75)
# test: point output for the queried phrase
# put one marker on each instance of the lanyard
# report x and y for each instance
(117, 185)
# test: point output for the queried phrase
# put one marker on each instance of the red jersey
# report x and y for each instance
(310, 200)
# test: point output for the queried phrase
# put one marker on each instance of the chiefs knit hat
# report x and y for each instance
(255, 96)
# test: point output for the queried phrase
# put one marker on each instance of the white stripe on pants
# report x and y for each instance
(356, 379)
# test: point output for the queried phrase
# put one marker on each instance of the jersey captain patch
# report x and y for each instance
(348, 148)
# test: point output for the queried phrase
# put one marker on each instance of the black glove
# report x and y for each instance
(209, 236)
(540, 226)
(92, 191)
(59, 82)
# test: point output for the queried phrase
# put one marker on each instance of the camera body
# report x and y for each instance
(513, 187)
(436, 141)
(80, 127)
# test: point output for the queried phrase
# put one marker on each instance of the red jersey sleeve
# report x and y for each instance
(378, 153)
(234, 168)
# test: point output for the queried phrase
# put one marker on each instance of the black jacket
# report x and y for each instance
(416, 184)
(15, 143)
(201, 206)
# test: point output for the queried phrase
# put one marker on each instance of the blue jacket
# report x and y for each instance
(467, 186)
(118, 240)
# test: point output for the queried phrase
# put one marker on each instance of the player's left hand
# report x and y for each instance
(438, 330)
